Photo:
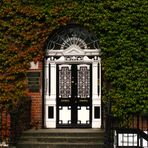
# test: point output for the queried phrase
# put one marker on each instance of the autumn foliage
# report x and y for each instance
(121, 27)
(23, 34)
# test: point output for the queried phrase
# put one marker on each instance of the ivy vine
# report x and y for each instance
(121, 27)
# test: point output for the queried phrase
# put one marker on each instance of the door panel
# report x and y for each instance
(83, 81)
(65, 115)
(64, 81)
(83, 115)
(74, 95)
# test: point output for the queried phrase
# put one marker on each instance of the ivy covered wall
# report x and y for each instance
(122, 30)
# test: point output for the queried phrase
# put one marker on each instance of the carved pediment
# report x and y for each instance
(73, 50)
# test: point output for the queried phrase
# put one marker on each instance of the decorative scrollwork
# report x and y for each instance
(79, 43)
(84, 81)
(74, 58)
(64, 82)
(72, 35)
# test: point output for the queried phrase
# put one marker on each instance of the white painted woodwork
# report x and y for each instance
(46, 78)
(50, 100)
(83, 115)
(95, 79)
(34, 65)
(50, 123)
(53, 81)
(83, 65)
(72, 55)
(60, 66)
(65, 115)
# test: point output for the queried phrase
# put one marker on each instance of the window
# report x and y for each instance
(50, 112)
(33, 81)
(97, 112)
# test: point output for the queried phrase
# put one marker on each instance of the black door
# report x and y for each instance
(74, 95)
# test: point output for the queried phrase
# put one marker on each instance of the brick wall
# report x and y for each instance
(36, 109)
(36, 97)
(4, 124)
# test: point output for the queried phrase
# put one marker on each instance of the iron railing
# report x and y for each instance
(14, 121)
(133, 134)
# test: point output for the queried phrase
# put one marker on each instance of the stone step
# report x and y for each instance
(64, 133)
(60, 145)
(62, 138)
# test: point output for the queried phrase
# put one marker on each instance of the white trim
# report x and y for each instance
(50, 123)
(83, 65)
(46, 78)
(53, 81)
(87, 52)
(73, 50)
(72, 56)
(96, 123)
(34, 65)
(95, 79)
(100, 79)
(65, 115)
(60, 66)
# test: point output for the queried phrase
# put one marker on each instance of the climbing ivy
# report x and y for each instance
(121, 28)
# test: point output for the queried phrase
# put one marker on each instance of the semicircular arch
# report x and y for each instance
(72, 35)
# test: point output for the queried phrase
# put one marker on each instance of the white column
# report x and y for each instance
(96, 98)
(53, 81)
(50, 99)
(100, 79)
(46, 78)
(95, 80)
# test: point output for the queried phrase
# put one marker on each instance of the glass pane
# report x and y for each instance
(33, 81)
(65, 82)
(33, 74)
(83, 81)
(72, 35)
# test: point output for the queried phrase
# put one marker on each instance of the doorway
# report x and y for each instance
(74, 96)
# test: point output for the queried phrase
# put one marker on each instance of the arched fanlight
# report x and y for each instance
(72, 35)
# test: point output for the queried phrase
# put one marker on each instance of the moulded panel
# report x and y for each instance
(83, 115)
(64, 115)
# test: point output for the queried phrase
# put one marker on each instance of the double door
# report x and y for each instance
(74, 101)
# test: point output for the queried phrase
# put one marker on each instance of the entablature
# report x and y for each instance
(74, 51)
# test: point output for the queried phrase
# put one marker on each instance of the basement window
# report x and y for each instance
(33, 81)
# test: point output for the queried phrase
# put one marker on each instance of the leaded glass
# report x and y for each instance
(33, 81)
(83, 81)
(72, 35)
(64, 82)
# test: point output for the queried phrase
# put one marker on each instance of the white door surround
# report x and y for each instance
(73, 50)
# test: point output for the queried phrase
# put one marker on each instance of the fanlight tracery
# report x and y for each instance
(72, 35)
(77, 42)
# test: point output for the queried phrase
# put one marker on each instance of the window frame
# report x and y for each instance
(38, 85)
